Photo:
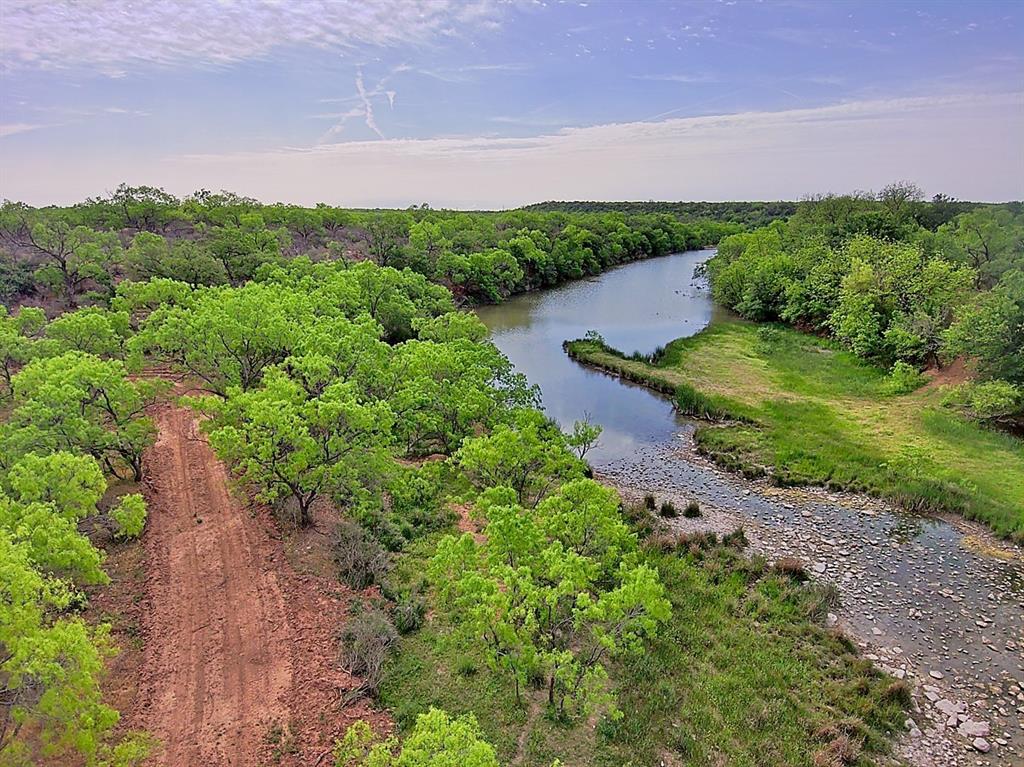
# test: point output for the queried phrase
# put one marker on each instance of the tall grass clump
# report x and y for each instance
(695, 404)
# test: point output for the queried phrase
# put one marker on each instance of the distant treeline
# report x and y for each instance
(753, 214)
(79, 253)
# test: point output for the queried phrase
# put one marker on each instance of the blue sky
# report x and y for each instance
(487, 103)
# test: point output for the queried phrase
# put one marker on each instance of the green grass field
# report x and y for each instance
(745, 674)
(811, 413)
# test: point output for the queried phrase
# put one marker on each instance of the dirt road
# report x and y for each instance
(239, 659)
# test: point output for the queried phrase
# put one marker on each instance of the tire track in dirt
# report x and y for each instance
(217, 651)
(236, 643)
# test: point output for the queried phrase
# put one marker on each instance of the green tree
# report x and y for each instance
(49, 665)
(990, 330)
(442, 393)
(20, 342)
(73, 256)
(227, 336)
(553, 591)
(529, 455)
(92, 330)
(297, 447)
(385, 233)
(151, 255)
(80, 403)
(242, 249)
(990, 240)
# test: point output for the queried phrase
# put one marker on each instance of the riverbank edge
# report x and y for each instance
(716, 411)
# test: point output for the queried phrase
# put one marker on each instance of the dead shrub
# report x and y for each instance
(361, 561)
(791, 568)
(365, 640)
(841, 751)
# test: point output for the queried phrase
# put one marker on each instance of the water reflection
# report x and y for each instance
(635, 307)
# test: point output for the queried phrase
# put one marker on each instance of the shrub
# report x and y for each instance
(692, 510)
(649, 503)
(696, 543)
(361, 561)
(668, 509)
(768, 337)
(737, 539)
(693, 403)
(903, 378)
(129, 516)
(898, 691)
(365, 640)
(409, 613)
(639, 519)
(995, 400)
(820, 598)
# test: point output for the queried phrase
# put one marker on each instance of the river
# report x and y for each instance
(926, 598)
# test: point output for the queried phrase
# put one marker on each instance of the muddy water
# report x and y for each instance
(926, 597)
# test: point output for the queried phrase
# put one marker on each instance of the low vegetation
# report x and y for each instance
(77, 255)
(745, 672)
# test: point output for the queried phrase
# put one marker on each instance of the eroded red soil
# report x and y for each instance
(239, 658)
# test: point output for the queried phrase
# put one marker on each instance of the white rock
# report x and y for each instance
(949, 707)
(971, 729)
(982, 745)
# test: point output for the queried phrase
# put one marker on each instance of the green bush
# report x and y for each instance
(365, 640)
(409, 613)
(361, 561)
(903, 378)
(693, 403)
(692, 510)
(994, 400)
(129, 516)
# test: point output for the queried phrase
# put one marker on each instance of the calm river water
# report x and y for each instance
(914, 591)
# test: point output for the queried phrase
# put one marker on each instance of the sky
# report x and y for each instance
(499, 103)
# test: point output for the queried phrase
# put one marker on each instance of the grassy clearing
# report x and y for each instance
(805, 412)
(745, 674)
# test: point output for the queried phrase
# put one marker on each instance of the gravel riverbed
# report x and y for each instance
(937, 602)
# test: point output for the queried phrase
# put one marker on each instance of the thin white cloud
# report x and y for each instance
(371, 123)
(10, 129)
(754, 155)
(115, 36)
(676, 78)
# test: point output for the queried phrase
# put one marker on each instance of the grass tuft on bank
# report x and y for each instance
(801, 411)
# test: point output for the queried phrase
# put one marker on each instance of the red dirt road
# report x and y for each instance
(239, 658)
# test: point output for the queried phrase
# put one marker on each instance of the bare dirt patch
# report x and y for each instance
(953, 374)
(239, 661)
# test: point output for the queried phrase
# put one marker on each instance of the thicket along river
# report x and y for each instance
(925, 597)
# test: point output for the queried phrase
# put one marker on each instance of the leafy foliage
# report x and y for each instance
(552, 591)
(437, 740)
(80, 403)
(50, 660)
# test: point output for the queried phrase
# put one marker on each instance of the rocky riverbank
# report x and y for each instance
(935, 602)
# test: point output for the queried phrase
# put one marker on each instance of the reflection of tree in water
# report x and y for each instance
(906, 528)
